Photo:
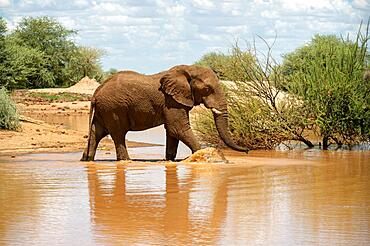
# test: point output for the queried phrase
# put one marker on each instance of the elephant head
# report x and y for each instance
(194, 85)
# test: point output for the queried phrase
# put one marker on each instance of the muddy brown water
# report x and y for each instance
(265, 198)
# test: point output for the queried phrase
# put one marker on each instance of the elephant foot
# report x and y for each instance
(85, 157)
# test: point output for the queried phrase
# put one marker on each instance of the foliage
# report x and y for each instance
(228, 66)
(260, 115)
(3, 52)
(40, 53)
(27, 68)
(321, 87)
(9, 118)
(328, 76)
(85, 62)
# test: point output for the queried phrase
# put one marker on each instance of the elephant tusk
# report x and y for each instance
(216, 111)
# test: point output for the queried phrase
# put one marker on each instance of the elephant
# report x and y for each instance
(130, 101)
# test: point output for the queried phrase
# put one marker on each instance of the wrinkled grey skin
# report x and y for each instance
(129, 101)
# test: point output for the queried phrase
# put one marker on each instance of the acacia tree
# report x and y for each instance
(84, 62)
(327, 75)
(40, 52)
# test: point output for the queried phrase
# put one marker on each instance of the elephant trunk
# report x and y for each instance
(221, 120)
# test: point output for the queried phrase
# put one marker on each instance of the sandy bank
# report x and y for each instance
(38, 136)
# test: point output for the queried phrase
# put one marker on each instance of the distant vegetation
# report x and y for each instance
(40, 53)
(318, 89)
(51, 97)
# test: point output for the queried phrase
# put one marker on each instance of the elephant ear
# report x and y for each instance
(177, 85)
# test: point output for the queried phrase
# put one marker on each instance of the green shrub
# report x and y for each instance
(328, 76)
(320, 88)
(260, 115)
(9, 118)
(250, 122)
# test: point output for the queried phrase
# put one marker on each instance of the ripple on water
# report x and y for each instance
(52, 198)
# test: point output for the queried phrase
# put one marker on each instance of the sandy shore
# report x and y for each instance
(38, 136)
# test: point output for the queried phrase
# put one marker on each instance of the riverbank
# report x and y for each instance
(35, 135)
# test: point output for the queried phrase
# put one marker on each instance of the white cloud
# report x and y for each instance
(68, 22)
(81, 3)
(4, 3)
(41, 3)
(204, 4)
(154, 35)
(362, 4)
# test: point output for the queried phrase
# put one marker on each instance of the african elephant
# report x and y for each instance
(130, 101)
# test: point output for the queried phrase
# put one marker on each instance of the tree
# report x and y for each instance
(229, 66)
(3, 30)
(84, 62)
(27, 68)
(49, 38)
(40, 52)
(3, 53)
(327, 75)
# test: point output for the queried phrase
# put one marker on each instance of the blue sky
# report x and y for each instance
(152, 35)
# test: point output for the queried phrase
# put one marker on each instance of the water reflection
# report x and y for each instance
(52, 199)
(75, 122)
(219, 204)
(162, 204)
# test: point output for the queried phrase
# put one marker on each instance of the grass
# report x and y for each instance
(24, 96)
(9, 118)
(64, 96)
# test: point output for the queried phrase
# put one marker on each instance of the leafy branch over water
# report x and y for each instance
(319, 88)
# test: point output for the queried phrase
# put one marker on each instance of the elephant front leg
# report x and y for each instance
(171, 147)
(178, 126)
(188, 138)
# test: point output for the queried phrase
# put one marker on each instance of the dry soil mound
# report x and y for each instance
(85, 86)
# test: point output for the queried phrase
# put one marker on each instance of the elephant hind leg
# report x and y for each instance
(97, 133)
(120, 144)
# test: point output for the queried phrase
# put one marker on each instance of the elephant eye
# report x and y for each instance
(207, 89)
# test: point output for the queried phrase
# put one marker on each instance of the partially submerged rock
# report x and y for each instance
(207, 155)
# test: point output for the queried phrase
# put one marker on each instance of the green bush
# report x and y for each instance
(250, 122)
(320, 88)
(9, 118)
(328, 76)
(260, 115)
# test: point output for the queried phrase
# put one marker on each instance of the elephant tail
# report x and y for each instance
(91, 118)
